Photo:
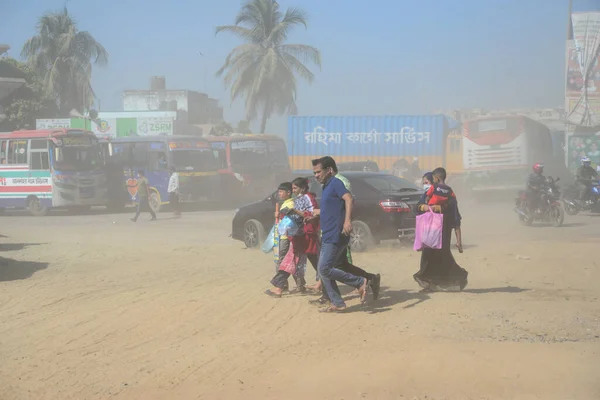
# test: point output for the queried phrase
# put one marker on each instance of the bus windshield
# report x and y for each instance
(249, 154)
(498, 131)
(200, 160)
(77, 154)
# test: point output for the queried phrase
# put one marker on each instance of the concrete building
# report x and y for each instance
(10, 80)
(193, 108)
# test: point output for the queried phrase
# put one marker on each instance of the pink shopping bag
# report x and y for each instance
(428, 231)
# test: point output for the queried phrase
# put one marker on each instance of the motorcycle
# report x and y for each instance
(550, 208)
(573, 205)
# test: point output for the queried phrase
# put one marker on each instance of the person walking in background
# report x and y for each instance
(173, 190)
(336, 226)
(143, 193)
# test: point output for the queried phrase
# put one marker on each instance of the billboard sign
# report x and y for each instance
(583, 69)
(52, 123)
(154, 126)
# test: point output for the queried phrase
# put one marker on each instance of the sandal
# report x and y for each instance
(300, 289)
(272, 294)
(319, 302)
(333, 309)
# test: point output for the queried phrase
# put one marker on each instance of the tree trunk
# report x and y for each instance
(265, 116)
(263, 123)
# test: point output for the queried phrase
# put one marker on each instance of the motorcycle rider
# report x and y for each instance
(535, 182)
(586, 177)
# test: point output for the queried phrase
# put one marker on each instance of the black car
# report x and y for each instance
(383, 209)
(366, 166)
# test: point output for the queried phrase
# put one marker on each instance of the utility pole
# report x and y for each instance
(567, 50)
(569, 22)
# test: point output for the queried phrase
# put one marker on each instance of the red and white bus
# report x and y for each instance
(499, 151)
(251, 165)
(51, 168)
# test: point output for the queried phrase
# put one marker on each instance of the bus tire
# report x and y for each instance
(35, 207)
(154, 200)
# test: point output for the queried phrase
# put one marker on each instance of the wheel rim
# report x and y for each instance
(35, 205)
(251, 235)
(357, 238)
(154, 202)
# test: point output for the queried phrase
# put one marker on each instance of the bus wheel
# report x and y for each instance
(154, 201)
(35, 207)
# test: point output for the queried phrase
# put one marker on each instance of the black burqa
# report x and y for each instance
(439, 271)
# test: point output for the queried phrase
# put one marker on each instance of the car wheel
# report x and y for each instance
(254, 234)
(361, 238)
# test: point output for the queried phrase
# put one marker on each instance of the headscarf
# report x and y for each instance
(429, 176)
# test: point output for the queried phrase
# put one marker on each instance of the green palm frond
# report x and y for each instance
(64, 56)
(263, 70)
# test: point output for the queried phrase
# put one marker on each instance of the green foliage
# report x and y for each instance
(27, 103)
(243, 127)
(221, 129)
(263, 70)
(63, 56)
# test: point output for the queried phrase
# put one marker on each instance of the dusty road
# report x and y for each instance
(96, 307)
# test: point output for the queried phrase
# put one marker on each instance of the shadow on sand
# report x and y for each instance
(389, 298)
(507, 289)
(13, 270)
(16, 246)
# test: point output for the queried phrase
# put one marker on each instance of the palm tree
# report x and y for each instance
(263, 70)
(63, 55)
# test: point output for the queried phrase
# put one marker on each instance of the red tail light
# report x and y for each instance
(394, 206)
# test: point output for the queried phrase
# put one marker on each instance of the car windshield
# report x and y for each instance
(389, 184)
(195, 160)
(75, 158)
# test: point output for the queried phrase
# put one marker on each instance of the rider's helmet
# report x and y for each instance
(538, 168)
(585, 161)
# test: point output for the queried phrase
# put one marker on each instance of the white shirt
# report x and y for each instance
(174, 183)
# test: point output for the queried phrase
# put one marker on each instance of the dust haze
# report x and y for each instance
(94, 306)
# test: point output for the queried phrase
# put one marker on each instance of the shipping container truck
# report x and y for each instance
(393, 142)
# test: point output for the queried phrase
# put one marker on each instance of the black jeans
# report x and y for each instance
(174, 202)
(280, 280)
(584, 191)
(143, 205)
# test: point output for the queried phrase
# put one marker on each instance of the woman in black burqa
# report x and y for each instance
(439, 271)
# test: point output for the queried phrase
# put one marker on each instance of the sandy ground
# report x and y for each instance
(96, 307)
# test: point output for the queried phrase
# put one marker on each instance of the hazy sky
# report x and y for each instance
(390, 57)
